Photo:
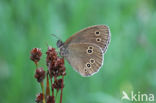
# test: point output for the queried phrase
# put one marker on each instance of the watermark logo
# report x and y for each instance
(137, 97)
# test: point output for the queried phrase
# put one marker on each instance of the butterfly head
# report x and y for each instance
(59, 43)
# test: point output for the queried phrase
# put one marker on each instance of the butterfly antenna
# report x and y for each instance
(47, 45)
(56, 36)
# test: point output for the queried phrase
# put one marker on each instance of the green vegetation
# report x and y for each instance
(129, 64)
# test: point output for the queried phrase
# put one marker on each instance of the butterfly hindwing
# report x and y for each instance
(85, 58)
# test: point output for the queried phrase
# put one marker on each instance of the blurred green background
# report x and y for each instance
(130, 61)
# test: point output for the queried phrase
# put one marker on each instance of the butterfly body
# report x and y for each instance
(85, 49)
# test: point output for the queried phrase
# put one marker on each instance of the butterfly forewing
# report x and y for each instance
(98, 35)
(85, 58)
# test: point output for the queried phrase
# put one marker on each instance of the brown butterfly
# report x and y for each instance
(85, 49)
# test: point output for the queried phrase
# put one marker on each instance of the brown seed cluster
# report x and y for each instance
(39, 98)
(50, 99)
(54, 63)
(55, 71)
(40, 74)
(58, 84)
(35, 54)
(51, 56)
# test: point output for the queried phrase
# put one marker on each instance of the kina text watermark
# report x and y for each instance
(140, 97)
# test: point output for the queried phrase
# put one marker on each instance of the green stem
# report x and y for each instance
(42, 86)
(61, 91)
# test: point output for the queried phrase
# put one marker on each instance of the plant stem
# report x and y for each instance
(52, 86)
(61, 90)
(61, 95)
(42, 86)
(47, 87)
(36, 63)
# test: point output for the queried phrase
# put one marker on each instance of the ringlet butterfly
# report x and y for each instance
(85, 49)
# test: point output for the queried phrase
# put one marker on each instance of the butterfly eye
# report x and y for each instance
(62, 53)
(98, 39)
(97, 33)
